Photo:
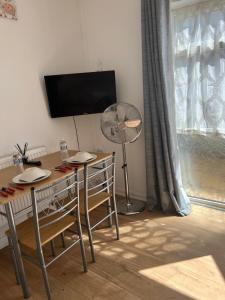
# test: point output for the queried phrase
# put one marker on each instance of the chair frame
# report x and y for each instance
(109, 183)
(72, 205)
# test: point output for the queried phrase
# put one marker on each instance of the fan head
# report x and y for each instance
(121, 123)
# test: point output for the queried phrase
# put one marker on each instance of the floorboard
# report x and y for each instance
(159, 257)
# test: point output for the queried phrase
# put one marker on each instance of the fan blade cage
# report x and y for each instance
(121, 123)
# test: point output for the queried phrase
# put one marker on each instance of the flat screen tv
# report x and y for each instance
(81, 93)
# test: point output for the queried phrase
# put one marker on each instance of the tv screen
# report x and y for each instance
(81, 93)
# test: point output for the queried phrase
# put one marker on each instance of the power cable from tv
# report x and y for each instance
(77, 136)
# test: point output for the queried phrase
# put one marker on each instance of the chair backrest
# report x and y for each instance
(53, 203)
(100, 177)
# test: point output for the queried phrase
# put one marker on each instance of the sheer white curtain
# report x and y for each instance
(199, 64)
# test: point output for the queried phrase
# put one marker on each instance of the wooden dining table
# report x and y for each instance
(48, 162)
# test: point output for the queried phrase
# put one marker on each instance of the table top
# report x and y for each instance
(49, 162)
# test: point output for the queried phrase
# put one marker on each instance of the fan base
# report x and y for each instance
(133, 208)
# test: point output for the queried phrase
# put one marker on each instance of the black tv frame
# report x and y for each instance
(57, 112)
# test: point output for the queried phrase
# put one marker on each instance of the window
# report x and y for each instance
(199, 48)
(199, 72)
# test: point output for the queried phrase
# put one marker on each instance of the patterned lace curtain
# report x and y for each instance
(199, 64)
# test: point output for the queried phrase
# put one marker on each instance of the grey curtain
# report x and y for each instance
(164, 184)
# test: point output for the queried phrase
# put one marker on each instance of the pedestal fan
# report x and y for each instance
(121, 123)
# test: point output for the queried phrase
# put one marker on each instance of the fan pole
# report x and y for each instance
(125, 172)
(128, 207)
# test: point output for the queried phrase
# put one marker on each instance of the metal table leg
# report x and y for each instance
(16, 247)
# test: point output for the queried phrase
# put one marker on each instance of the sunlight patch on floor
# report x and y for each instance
(111, 250)
(186, 277)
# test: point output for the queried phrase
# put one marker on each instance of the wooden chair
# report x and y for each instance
(52, 207)
(99, 188)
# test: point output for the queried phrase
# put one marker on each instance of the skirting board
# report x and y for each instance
(209, 203)
(135, 196)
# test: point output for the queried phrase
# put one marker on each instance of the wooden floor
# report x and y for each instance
(158, 258)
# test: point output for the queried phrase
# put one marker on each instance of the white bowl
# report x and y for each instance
(32, 174)
(81, 157)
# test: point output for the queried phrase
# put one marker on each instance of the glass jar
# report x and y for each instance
(18, 162)
(63, 150)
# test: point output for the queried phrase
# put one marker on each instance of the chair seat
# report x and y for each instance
(26, 233)
(93, 202)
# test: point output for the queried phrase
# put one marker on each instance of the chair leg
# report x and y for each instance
(109, 207)
(116, 218)
(109, 211)
(14, 261)
(84, 260)
(45, 275)
(63, 240)
(90, 236)
(53, 248)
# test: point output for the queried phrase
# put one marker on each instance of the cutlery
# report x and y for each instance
(60, 169)
(63, 167)
(25, 148)
(17, 146)
(71, 166)
(3, 194)
(60, 166)
(16, 186)
(67, 167)
(8, 191)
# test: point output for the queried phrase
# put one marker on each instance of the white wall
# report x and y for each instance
(111, 33)
(55, 36)
(46, 39)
